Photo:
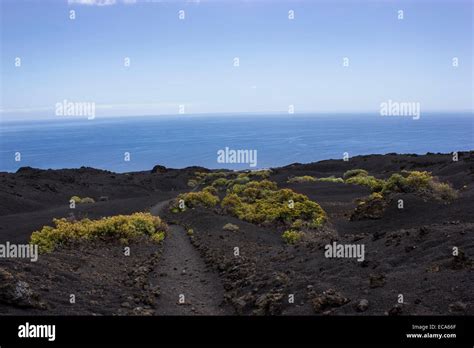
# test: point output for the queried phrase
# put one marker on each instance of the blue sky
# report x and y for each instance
(190, 62)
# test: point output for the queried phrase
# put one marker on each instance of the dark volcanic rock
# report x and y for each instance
(362, 305)
(16, 292)
(269, 304)
(327, 300)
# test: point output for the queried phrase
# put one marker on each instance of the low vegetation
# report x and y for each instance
(354, 172)
(79, 200)
(263, 174)
(331, 178)
(192, 183)
(292, 236)
(211, 189)
(221, 182)
(418, 182)
(230, 227)
(227, 179)
(300, 179)
(120, 227)
(202, 198)
(376, 185)
(261, 202)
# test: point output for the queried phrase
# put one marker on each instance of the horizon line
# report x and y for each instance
(222, 114)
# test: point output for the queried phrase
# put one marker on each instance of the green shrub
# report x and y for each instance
(79, 200)
(354, 172)
(443, 191)
(192, 183)
(221, 182)
(120, 227)
(331, 179)
(421, 183)
(211, 189)
(209, 178)
(190, 232)
(373, 183)
(230, 227)
(240, 180)
(249, 187)
(200, 175)
(76, 199)
(396, 183)
(264, 173)
(261, 202)
(292, 237)
(300, 179)
(231, 202)
(87, 200)
(375, 195)
(200, 198)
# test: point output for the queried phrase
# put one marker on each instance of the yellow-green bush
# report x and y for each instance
(373, 183)
(264, 173)
(300, 179)
(209, 178)
(331, 178)
(120, 227)
(230, 227)
(200, 198)
(262, 202)
(76, 199)
(79, 200)
(419, 182)
(292, 236)
(248, 188)
(231, 202)
(443, 191)
(221, 182)
(87, 200)
(211, 189)
(355, 172)
(192, 183)
(240, 180)
(375, 195)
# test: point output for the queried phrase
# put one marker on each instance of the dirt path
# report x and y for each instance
(187, 285)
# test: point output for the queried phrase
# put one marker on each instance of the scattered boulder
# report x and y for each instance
(125, 305)
(143, 311)
(327, 300)
(243, 303)
(395, 310)
(362, 305)
(457, 307)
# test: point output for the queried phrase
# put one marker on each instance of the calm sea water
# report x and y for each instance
(181, 141)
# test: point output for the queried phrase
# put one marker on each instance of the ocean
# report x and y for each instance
(183, 140)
